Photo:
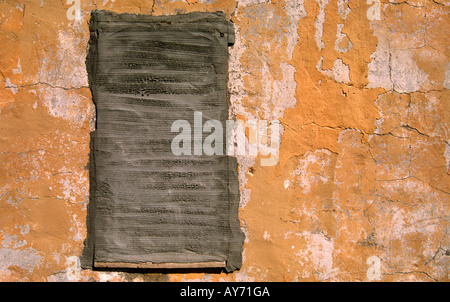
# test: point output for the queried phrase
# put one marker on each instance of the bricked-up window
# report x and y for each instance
(149, 207)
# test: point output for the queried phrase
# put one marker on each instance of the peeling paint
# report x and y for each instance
(447, 156)
(405, 75)
(12, 86)
(340, 72)
(318, 256)
(343, 43)
(447, 76)
(73, 105)
(319, 24)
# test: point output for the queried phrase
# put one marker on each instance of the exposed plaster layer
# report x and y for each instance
(408, 58)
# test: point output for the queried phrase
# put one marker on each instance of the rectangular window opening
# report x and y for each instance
(151, 207)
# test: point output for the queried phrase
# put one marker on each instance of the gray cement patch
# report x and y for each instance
(147, 206)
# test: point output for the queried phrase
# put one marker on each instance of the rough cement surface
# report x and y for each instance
(361, 190)
(148, 205)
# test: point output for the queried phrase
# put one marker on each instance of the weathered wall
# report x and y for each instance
(361, 189)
